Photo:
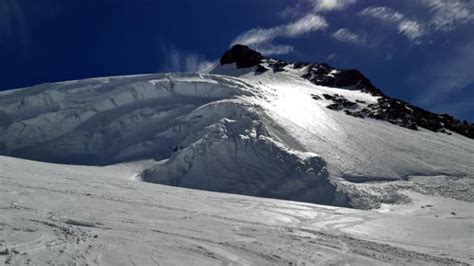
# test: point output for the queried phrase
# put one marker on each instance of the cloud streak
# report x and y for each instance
(444, 15)
(12, 23)
(178, 61)
(300, 7)
(306, 19)
(447, 14)
(458, 108)
(262, 38)
(329, 5)
(411, 29)
(451, 75)
(345, 35)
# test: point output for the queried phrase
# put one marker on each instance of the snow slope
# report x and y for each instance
(235, 130)
(65, 214)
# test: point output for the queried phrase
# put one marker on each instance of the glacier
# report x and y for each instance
(232, 130)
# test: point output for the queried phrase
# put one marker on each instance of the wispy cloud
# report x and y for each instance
(330, 57)
(411, 29)
(262, 38)
(448, 76)
(305, 16)
(12, 23)
(300, 7)
(274, 49)
(329, 5)
(345, 35)
(444, 15)
(447, 14)
(384, 13)
(460, 109)
(178, 61)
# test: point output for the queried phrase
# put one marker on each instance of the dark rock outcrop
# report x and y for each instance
(242, 56)
(340, 103)
(261, 69)
(400, 113)
(325, 75)
(406, 115)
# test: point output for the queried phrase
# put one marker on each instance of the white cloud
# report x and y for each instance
(315, 6)
(257, 36)
(345, 35)
(306, 24)
(177, 61)
(447, 14)
(411, 29)
(328, 5)
(384, 13)
(297, 28)
(261, 39)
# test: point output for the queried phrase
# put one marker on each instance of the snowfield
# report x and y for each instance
(232, 131)
(63, 214)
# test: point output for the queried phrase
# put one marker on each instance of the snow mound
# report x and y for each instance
(102, 121)
(232, 151)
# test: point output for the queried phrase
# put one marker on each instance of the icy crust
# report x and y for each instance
(100, 121)
(232, 151)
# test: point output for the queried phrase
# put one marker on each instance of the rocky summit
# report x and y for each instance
(242, 56)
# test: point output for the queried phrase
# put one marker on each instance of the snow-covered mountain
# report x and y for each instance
(253, 126)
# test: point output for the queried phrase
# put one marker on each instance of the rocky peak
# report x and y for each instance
(242, 56)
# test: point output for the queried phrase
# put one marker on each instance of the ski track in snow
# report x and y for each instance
(62, 214)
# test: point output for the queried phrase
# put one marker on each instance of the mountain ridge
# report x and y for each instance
(387, 108)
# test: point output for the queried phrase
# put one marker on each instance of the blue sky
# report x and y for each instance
(421, 51)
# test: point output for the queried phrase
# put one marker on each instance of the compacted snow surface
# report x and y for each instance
(93, 215)
(235, 131)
